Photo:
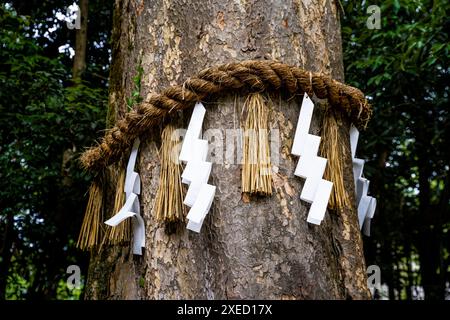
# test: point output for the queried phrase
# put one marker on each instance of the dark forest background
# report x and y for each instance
(53, 104)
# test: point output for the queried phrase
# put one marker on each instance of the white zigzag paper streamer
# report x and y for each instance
(310, 166)
(131, 208)
(366, 204)
(194, 151)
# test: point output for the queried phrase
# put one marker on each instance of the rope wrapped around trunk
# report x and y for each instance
(250, 75)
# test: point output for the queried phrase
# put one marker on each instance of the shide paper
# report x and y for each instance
(366, 204)
(131, 208)
(194, 151)
(310, 166)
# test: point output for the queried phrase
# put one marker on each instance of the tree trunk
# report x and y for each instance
(263, 249)
(6, 249)
(79, 61)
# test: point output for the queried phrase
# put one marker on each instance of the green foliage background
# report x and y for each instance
(46, 121)
(403, 67)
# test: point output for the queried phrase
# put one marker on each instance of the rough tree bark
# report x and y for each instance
(262, 249)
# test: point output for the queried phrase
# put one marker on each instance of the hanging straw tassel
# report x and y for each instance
(333, 148)
(256, 168)
(169, 207)
(121, 233)
(91, 229)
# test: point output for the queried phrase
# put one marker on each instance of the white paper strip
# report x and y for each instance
(311, 184)
(320, 203)
(203, 203)
(354, 136)
(358, 166)
(372, 207)
(196, 227)
(193, 132)
(195, 169)
(198, 150)
(197, 161)
(196, 184)
(363, 207)
(125, 212)
(310, 167)
(312, 145)
(138, 234)
(366, 205)
(369, 216)
(194, 152)
(131, 208)
(366, 226)
(132, 184)
(362, 187)
(303, 124)
(132, 160)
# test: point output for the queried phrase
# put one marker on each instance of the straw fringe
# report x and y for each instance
(91, 229)
(256, 168)
(333, 148)
(121, 233)
(169, 207)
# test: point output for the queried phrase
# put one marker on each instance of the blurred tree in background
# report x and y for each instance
(46, 121)
(404, 68)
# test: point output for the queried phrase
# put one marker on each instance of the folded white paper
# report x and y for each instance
(197, 162)
(362, 187)
(363, 208)
(303, 124)
(202, 204)
(366, 205)
(193, 132)
(320, 203)
(310, 166)
(372, 207)
(354, 136)
(358, 166)
(125, 212)
(366, 226)
(369, 216)
(196, 227)
(131, 208)
(132, 159)
(310, 187)
(194, 152)
(195, 169)
(132, 184)
(138, 234)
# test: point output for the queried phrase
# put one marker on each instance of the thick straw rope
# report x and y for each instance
(251, 75)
